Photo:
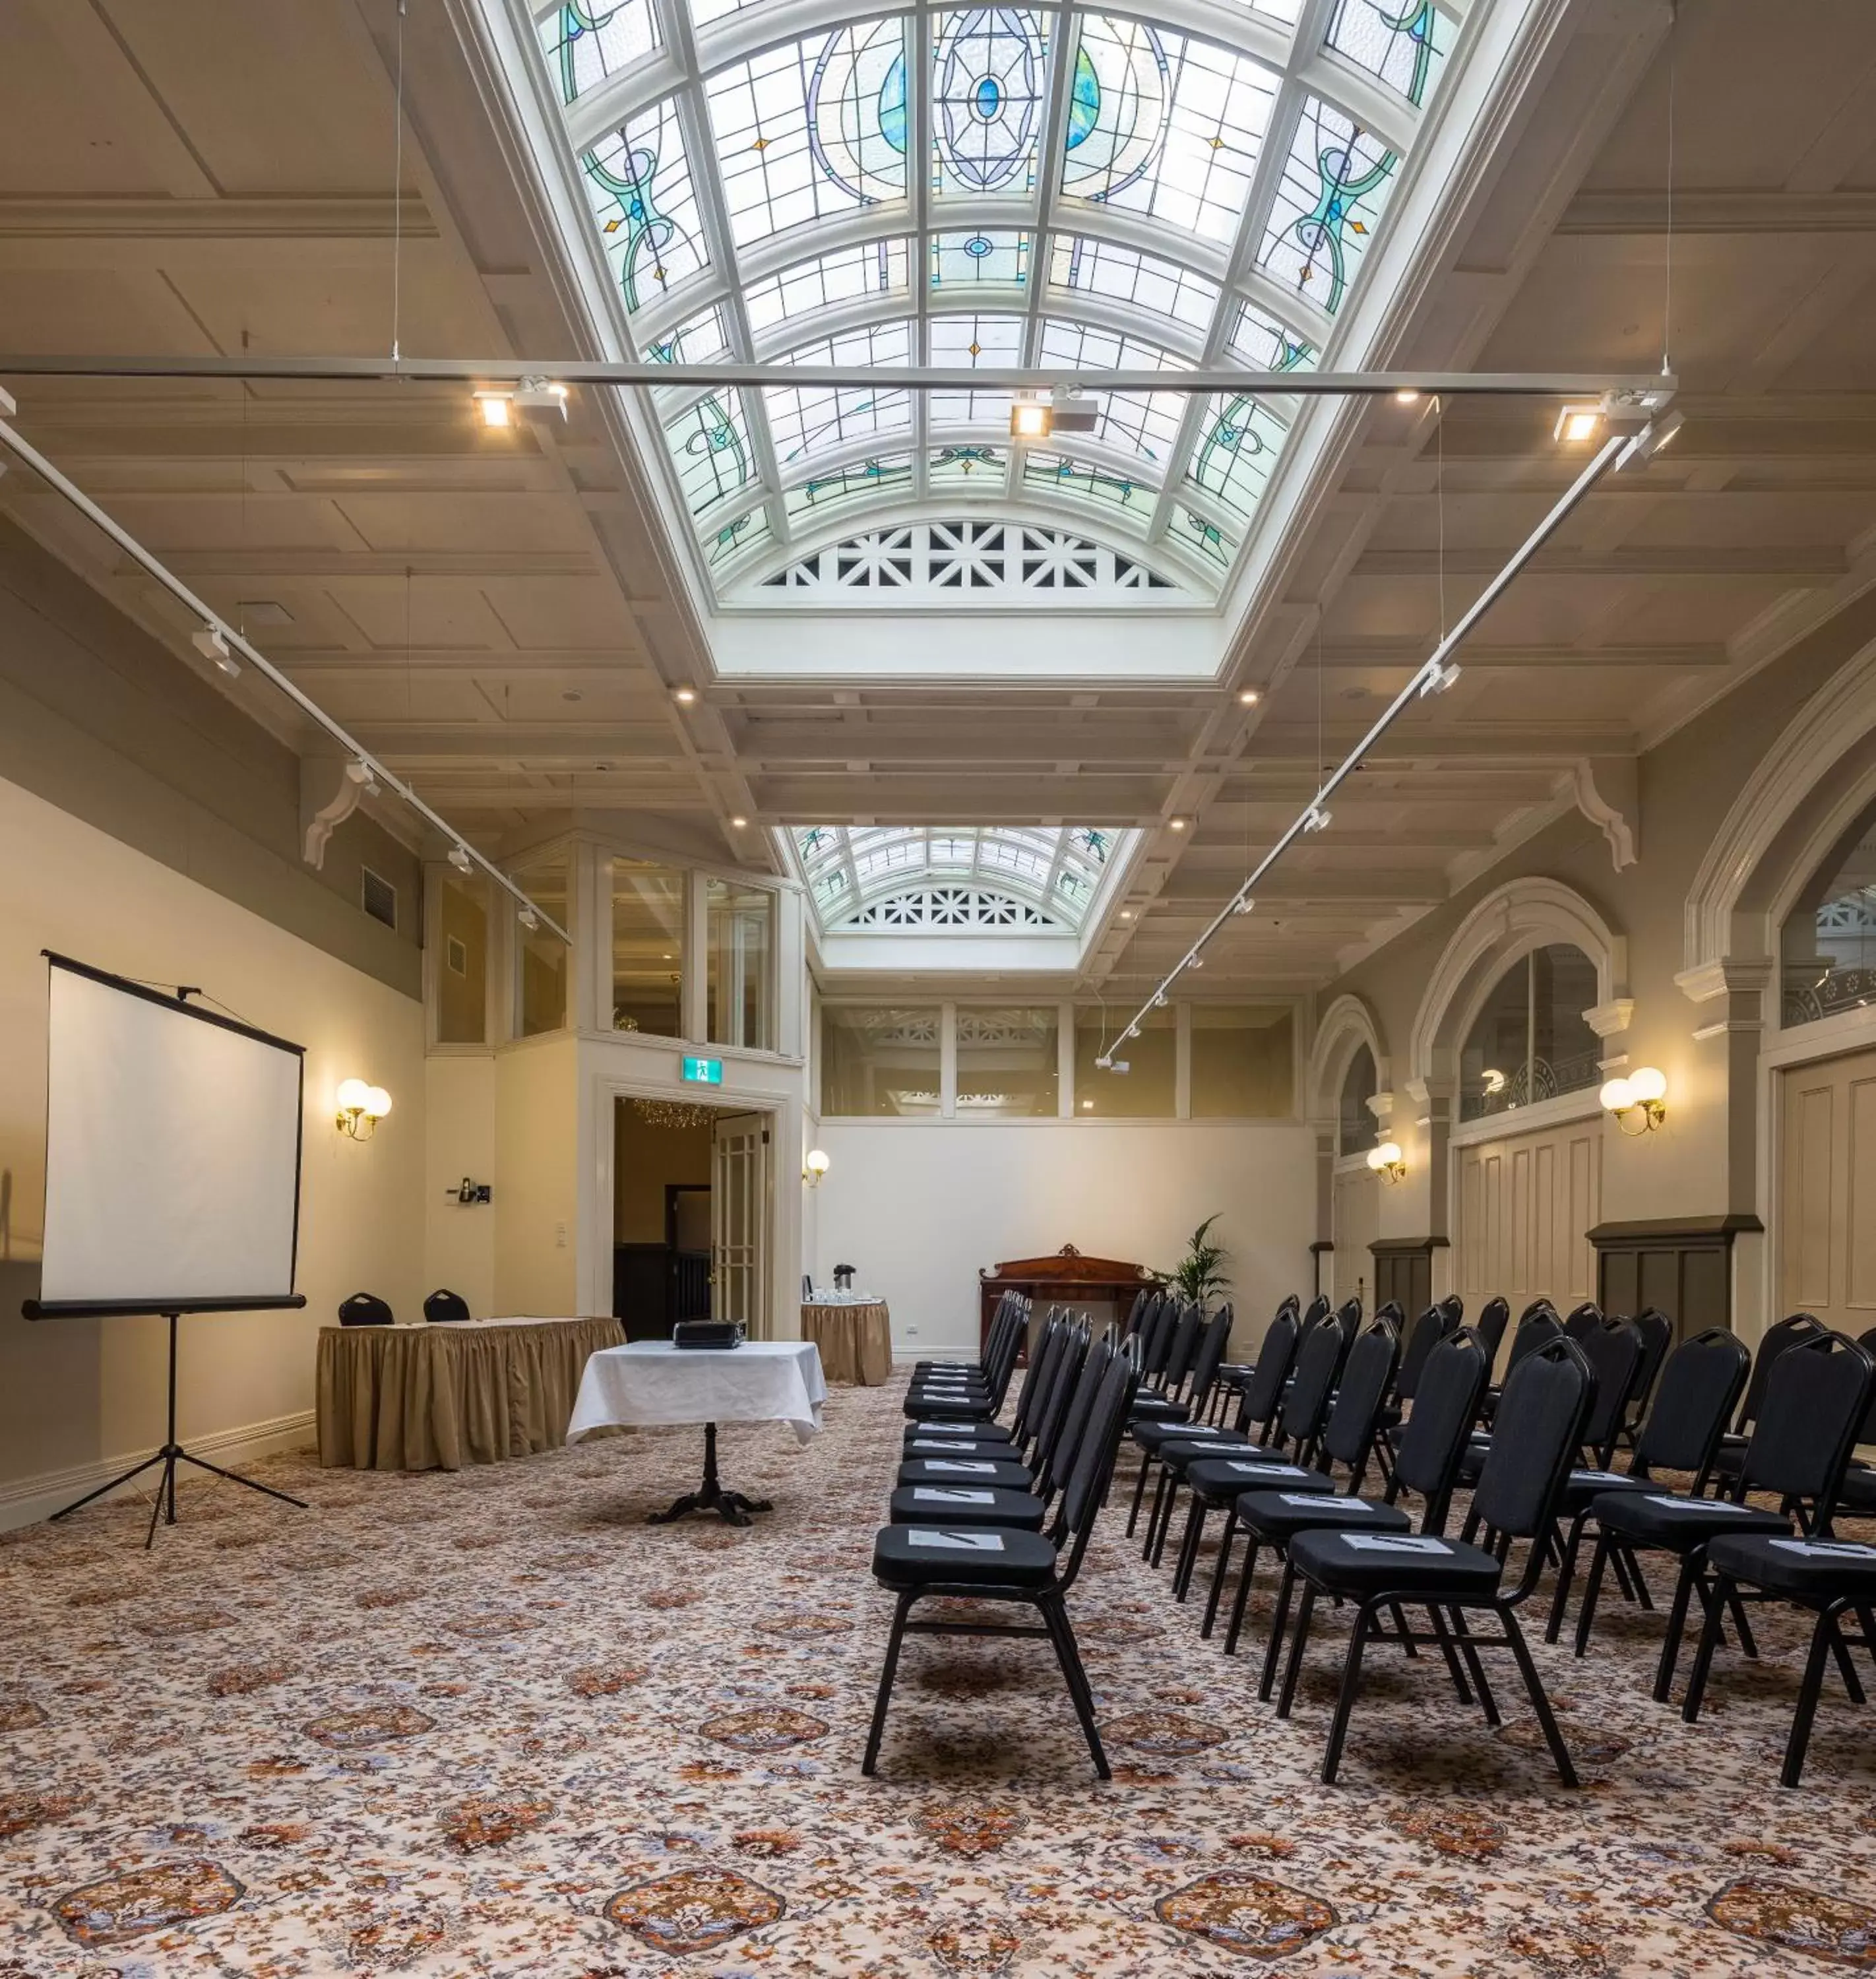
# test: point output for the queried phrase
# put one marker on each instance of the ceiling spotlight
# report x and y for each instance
(530, 919)
(1030, 418)
(1315, 819)
(1249, 697)
(1177, 823)
(209, 643)
(1196, 962)
(738, 822)
(1126, 913)
(363, 775)
(1577, 423)
(1243, 905)
(1407, 396)
(1436, 680)
(459, 858)
(684, 696)
(1649, 441)
(541, 395)
(497, 408)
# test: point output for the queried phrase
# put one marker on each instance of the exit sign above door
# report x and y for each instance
(703, 1072)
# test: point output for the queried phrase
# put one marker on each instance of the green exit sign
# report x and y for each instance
(703, 1071)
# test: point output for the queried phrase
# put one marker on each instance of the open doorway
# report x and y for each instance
(691, 1215)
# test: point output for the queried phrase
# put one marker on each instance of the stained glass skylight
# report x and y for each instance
(888, 189)
(1031, 878)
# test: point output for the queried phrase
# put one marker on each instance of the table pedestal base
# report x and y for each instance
(709, 1496)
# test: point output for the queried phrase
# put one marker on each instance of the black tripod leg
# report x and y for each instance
(233, 1476)
(135, 1470)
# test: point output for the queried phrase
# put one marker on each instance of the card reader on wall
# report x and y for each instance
(471, 1191)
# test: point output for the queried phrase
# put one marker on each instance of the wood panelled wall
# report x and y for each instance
(1525, 1204)
(1827, 1192)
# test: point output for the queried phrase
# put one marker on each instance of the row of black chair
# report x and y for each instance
(367, 1309)
(972, 1498)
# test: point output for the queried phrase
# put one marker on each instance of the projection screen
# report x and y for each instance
(172, 1153)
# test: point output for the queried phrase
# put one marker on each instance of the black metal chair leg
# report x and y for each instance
(1055, 1618)
(1840, 1649)
(1345, 1701)
(1409, 1647)
(1533, 1685)
(1279, 1620)
(1446, 1650)
(1747, 1647)
(1157, 1530)
(1586, 1615)
(1566, 1575)
(887, 1672)
(1469, 1649)
(1808, 1691)
(1710, 1631)
(1293, 1667)
(1139, 1493)
(1220, 1567)
(1189, 1548)
(1677, 1623)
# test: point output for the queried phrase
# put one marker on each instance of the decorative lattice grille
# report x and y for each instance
(947, 558)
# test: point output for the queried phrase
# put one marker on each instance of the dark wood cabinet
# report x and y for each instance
(1064, 1277)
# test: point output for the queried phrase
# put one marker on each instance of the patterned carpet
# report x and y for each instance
(490, 1724)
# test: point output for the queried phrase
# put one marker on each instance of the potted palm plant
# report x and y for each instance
(1199, 1274)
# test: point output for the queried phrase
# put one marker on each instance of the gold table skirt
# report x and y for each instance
(437, 1396)
(856, 1342)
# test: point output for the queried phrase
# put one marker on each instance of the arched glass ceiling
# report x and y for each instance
(784, 181)
(944, 877)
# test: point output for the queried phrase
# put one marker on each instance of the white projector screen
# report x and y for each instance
(172, 1151)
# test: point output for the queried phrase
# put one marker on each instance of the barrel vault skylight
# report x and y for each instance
(950, 878)
(792, 181)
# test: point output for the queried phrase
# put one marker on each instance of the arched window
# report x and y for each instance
(1358, 1131)
(1529, 1042)
(1828, 945)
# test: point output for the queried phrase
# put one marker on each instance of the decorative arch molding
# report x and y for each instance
(1802, 795)
(1510, 922)
(1346, 1025)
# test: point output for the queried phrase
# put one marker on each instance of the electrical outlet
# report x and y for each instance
(560, 1236)
(912, 1332)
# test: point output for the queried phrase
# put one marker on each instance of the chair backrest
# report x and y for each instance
(1454, 1304)
(1318, 1310)
(1537, 1329)
(1427, 1331)
(1583, 1320)
(443, 1304)
(1433, 1441)
(1813, 1408)
(1213, 1339)
(807, 1288)
(1054, 1406)
(1318, 1361)
(1075, 1418)
(1700, 1386)
(1136, 1310)
(1777, 1339)
(1866, 1432)
(1185, 1344)
(1008, 1352)
(1367, 1375)
(1156, 1336)
(1494, 1316)
(366, 1309)
(1657, 1332)
(1264, 1391)
(1291, 1303)
(1348, 1317)
(1536, 1436)
(1540, 1304)
(1614, 1353)
(1040, 1384)
(1392, 1312)
(1085, 1485)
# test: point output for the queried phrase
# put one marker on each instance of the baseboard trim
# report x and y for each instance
(24, 1501)
(906, 1357)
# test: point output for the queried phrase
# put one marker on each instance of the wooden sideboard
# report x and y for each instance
(1066, 1278)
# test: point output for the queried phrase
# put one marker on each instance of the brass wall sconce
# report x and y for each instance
(1385, 1160)
(361, 1107)
(1640, 1098)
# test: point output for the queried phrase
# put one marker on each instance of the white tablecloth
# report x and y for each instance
(650, 1381)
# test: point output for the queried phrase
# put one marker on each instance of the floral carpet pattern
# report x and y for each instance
(491, 1724)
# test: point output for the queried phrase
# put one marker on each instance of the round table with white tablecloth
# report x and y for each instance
(855, 1340)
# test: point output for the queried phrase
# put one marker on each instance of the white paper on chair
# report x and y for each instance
(1394, 1542)
(1268, 1469)
(922, 1536)
(1599, 1477)
(1826, 1549)
(1701, 1505)
(965, 1469)
(1313, 1498)
(950, 1494)
(947, 1429)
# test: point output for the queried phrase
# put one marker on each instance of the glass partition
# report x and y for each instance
(1828, 945)
(1007, 1063)
(542, 957)
(878, 1059)
(1529, 1041)
(462, 967)
(648, 948)
(1242, 1061)
(740, 942)
(1147, 1090)
(1358, 1130)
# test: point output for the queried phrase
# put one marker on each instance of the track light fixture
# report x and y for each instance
(534, 397)
(1316, 819)
(1576, 424)
(1658, 433)
(529, 920)
(460, 859)
(362, 774)
(1436, 680)
(212, 645)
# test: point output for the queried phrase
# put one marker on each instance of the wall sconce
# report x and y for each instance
(816, 1166)
(1642, 1094)
(361, 1107)
(1385, 1160)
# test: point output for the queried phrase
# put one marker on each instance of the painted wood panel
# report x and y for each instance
(1357, 1221)
(1827, 1191)
(1525, 1204)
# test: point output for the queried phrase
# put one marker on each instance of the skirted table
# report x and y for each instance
(437, 1396)
(856, 1342)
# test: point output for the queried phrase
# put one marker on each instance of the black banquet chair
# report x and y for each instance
(366, 1309)
(445, 1307)
(1029, 1570)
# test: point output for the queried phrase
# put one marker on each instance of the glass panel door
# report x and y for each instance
(739, 1221)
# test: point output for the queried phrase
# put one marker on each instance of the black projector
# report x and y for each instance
(718, 1333)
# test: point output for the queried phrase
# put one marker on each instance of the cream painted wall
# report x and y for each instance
(537, 1211)
(919, 1206)
(460, 1140)
(75, 1393)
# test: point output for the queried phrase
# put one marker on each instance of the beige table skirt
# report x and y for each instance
(438, 1396)
(856, 1342)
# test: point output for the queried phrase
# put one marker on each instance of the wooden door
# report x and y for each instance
(1357, 1223)
(1827, 1192)
(739, 1205)
(1524, 1204)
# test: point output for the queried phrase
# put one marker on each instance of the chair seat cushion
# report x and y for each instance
(1177, 1452)
(1156, 1408)
(1152, 1437)
(1277, 1514)
(957, 1391)
(964, 1505)
(1340, 1563)
(1220, 1478)
(1664, 1519)
(1582, 1487)
(980, 1409)
(961, 1427)
(979, 1473)
(1821, 1568)
(977, 1556)
(969, 1447)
